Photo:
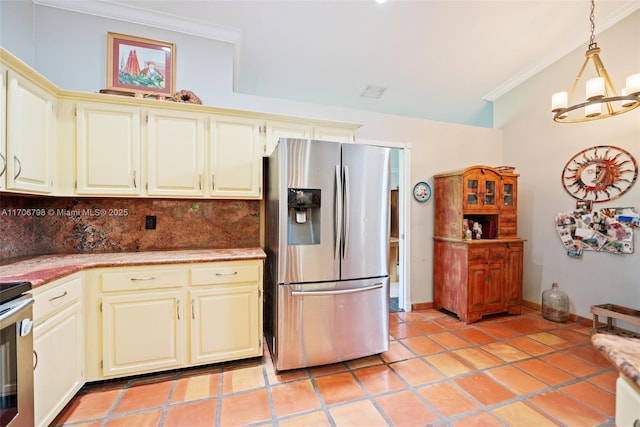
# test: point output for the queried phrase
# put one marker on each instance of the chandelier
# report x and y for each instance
(602, 100)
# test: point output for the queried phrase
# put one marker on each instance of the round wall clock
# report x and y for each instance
(600, 173)
(422, 192)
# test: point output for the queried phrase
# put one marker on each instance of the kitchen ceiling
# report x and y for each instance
(441, 60)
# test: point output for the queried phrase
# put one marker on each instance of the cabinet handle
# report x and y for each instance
(200, 182)
(193, 310)
(19, 167)
(227, 274)
(4, 165)
(178, 309)
(64, 294)
(35, 362)
(213, 183)
(139, 279)
(135, 184)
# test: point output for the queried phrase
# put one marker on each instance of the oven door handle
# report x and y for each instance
(334, 292)
(12, 314)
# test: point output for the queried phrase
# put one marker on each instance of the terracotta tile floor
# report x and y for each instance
(501, 371)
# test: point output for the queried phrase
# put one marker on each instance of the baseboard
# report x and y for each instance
(421, 306)
(528, 304)
(572, 316)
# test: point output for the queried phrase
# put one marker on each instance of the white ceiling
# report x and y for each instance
(441, 60)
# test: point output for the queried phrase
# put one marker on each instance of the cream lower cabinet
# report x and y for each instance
(58, 346)
(154, 318)
(226, 311)
(142, 332)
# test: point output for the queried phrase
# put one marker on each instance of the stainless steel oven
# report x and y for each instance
(16, 355)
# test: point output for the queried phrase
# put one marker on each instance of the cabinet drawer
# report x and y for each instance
(497, 252)
(226, 273)
(478, 254)
(55, 297)
(508, 220)
(136, 279)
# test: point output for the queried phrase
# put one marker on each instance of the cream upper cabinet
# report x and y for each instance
(69, 143)
(337, 134)
(175, 153)
(3, 127)
(275, 130)
(30, 134)
(58, 344)
(108, 149)
(235, 154)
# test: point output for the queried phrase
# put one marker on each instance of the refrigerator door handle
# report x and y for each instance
(338, 292)
(346, 219)
(337, 215)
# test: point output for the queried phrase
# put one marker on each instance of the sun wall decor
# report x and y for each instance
(600, 173)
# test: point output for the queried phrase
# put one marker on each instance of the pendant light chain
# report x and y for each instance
(592, 39)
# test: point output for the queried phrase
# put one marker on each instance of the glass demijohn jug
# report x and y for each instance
(555, 304)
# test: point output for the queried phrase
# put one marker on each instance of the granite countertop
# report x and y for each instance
(621, 351)
(42, 269)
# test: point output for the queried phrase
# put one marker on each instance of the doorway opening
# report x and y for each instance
(397, 243)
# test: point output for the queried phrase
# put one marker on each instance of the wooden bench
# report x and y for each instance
(611, 312)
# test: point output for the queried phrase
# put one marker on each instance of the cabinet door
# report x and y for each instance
(486, 279)
(477, 285)
(3, 127)
(508, 220)
(58, 346)
(277, 130)
(142, 332)
(481, 191)
(175, 153)
(236, 158)
(328, 133)
(509, 193)
(108, 149)
(513, 278)
(225, 323)
(31, 130)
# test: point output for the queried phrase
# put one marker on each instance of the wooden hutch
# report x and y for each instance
(475, 276)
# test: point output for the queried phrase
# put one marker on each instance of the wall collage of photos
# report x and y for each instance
(602, 230)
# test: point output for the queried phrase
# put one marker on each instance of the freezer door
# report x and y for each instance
(330, 322)
(309, 249)
(365, 245)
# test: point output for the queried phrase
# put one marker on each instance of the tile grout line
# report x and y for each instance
(565, 350)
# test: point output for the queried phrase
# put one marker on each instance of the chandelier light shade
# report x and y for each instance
(601, 99)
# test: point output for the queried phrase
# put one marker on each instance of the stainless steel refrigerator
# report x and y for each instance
(327, 242)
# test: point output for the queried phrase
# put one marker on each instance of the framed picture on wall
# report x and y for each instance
(584, 205)
(140, 65)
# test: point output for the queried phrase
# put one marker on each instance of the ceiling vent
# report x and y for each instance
(374, 92)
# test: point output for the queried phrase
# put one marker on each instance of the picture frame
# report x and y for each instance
(584, 205)
(140, 65)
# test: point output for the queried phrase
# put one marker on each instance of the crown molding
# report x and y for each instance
(627, 9)
(134, 15)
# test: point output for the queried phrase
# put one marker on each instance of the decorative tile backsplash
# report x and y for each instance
(57, 225)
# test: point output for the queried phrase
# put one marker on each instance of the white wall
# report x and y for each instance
(70, 50)
(540, 148)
